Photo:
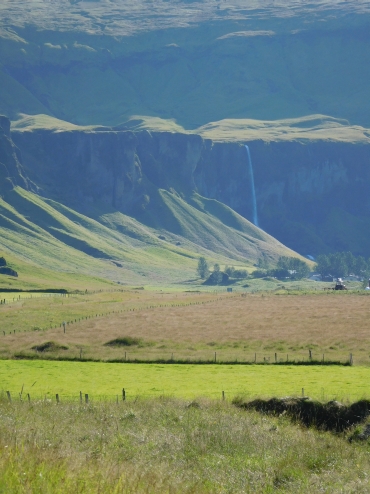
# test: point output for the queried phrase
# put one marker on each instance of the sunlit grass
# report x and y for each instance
(40, 378)
(165, 445)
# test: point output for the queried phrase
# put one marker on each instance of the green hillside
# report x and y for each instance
(43, 237)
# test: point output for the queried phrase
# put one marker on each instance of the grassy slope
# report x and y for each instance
(53, 237)
(309, 128)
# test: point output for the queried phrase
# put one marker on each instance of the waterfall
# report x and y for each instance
(253, 190)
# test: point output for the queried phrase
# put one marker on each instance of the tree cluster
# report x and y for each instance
(287, 267)
(236, 273)
(342, 264)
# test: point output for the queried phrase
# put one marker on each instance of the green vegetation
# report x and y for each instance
(40, 378)
(287, 268)
(236, 273)
(167, 445)
(124, 341)
(341, 264)
(202, 268)
(50, 245)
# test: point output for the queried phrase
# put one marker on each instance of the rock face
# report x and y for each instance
(313, 197)
(119, 168)
(11, 171)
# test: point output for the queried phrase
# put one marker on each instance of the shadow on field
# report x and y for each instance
(331, 416)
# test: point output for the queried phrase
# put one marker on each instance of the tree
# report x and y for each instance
(202, 268)
(323, 265)
(295, 267)
(217, 274)
(229, 270)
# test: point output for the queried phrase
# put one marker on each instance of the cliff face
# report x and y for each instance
(118, 168)
(11, 171)
(313, 197)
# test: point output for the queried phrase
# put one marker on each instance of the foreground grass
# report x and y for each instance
(46, 378)
(165, 445)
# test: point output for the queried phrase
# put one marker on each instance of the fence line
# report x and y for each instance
(122, 397)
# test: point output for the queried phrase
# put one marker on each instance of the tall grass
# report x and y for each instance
(167, 445)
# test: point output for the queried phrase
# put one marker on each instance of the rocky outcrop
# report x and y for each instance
(311, 196)
(11, 171)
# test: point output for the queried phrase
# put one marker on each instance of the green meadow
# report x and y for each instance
(40, 378)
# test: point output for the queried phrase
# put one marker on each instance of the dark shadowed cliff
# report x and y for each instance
(11, 171)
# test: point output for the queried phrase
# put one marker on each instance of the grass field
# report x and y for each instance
(40, 378)
(165, 446)
(191, 325)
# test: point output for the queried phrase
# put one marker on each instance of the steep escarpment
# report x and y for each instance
(311, 195)
(123, 170)
(11, 171)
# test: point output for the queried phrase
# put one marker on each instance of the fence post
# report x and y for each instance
(123, 394)
(255, 358)
(215, 356)
(275, 358)
(80, 396)
(57, 398)
(302, 392)
(310, 354)
(86, 398)
(9, 397)
(350, 359)
(64, 326)
(223, 395)
(28, 398)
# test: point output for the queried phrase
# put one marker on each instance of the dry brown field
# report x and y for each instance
(234, 326)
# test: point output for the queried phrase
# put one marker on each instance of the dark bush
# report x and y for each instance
(49, 346)
(333, 416)
(124, 341)
(8, 271)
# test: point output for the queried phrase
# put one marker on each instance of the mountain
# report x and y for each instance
(144, 109)
(88, 207)
(103, 61)
(311, 175)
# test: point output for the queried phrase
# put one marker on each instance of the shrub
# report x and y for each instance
(49, 346)
(124, 341)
